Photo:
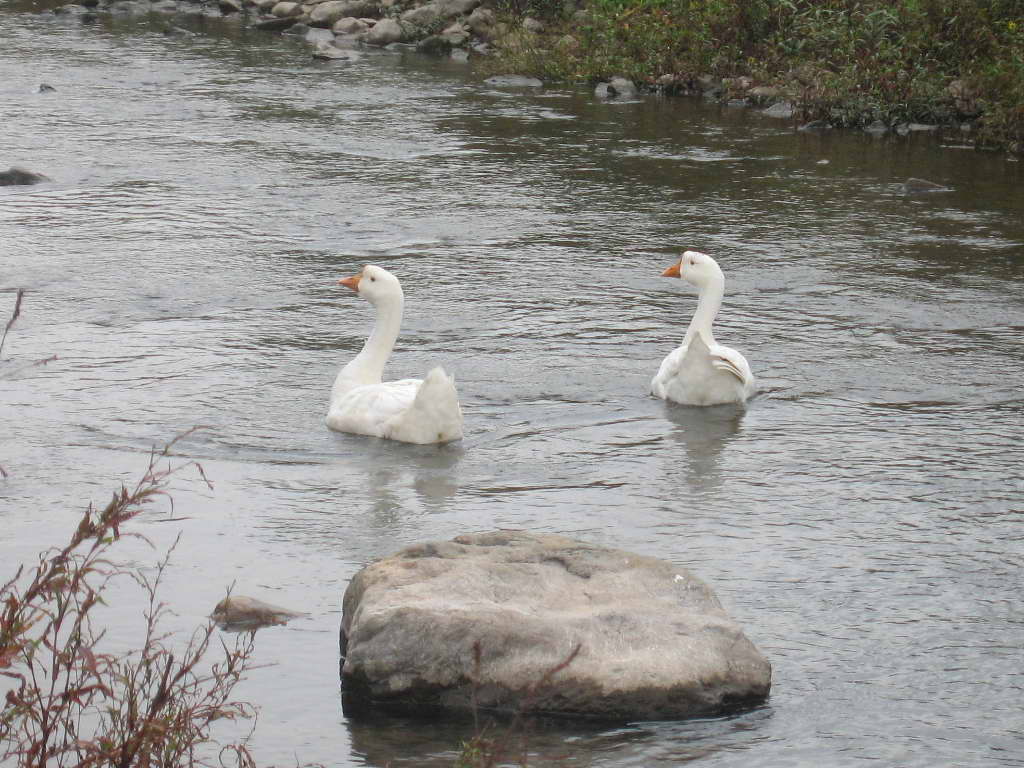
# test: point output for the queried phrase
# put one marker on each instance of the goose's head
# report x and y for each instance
(374, 284)
(696, 268)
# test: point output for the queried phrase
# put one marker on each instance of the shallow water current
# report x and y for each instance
(862, 518)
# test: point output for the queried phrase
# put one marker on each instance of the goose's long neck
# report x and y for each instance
(368, 365)
(709, 301)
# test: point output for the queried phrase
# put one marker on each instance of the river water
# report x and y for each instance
(862, 518)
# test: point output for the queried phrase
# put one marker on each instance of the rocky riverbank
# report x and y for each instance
(555, 49)
(334, 28)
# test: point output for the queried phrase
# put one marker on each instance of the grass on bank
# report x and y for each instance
(849, 62)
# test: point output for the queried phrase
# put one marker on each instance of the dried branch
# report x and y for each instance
(73, 704)
(17, 313)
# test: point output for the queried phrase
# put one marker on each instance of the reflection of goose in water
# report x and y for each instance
(701, 371)
(705, 432)
(409, 410)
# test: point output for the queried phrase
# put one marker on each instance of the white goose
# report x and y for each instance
(701, 371)
(409, 410)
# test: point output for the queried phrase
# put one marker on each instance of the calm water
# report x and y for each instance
(862, 519)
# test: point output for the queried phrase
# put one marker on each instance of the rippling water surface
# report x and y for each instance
(862, 518)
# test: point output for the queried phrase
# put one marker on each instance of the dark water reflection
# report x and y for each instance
(861, 518)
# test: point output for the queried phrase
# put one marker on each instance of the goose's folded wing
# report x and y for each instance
(730, 361)
(367, 409)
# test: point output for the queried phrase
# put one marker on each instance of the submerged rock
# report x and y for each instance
(520, 622)
(514, 81)
(435, 45)
(239, 612)
(815, 126)
(327, 51)
(913, 186)
(16, 177)
(780, 109)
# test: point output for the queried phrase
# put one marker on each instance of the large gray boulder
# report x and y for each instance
(490, 620)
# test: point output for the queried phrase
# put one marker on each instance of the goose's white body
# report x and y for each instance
(701, 371)
(408, 410)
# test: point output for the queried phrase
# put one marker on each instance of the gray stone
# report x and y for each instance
(765, 93)
(443, 10)
(514, 621)
(317, 35)
(423, 16)
(965, 97)
(452, 8)
(387, 31)
(481, 22)
(349, 26)
(229, 6)
(815, 126)
(780, 109)
(329, 13)
(623, 87)
(285, 9)
(15, 177)
(238, 612)
(877, 127)
(531, 24)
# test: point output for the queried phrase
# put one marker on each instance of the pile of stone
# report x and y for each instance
(436, 27)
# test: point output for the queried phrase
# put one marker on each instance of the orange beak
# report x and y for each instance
(672, 271)
(351, 282)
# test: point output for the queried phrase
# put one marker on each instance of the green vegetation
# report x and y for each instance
(849, 62)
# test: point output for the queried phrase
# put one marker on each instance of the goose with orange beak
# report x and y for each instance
(407, 410)
(701, 371)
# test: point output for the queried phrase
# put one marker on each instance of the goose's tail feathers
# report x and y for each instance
(435, 415)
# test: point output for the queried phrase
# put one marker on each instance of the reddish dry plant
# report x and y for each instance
(511, 747)
(14, 316)
(72, 704)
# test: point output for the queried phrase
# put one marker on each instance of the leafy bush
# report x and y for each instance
(871, 59)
